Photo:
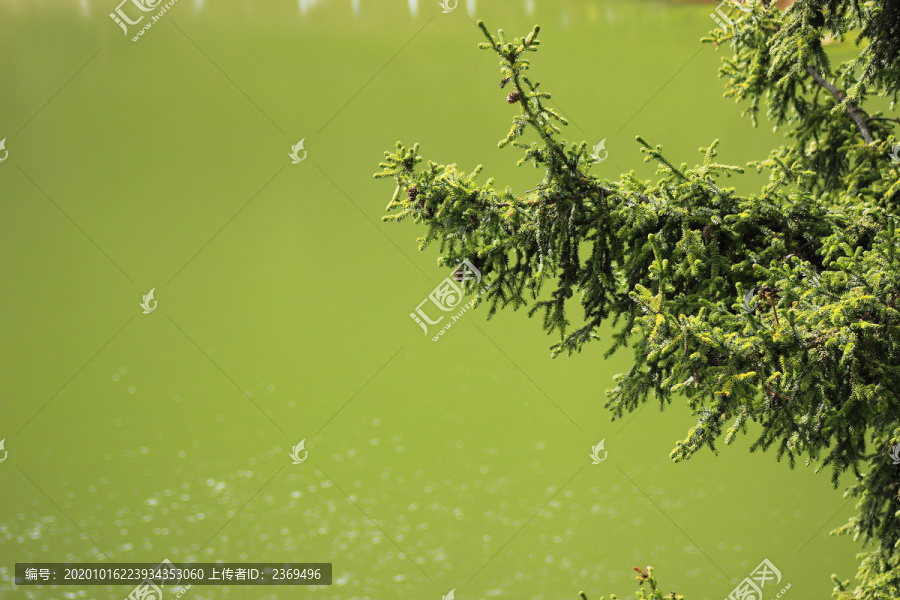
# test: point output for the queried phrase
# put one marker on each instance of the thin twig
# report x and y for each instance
(852, 110)
(882, 119)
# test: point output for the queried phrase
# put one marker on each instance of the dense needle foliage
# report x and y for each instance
(780, 308)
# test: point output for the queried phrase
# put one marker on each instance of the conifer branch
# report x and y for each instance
(840, 96)
(675, 262)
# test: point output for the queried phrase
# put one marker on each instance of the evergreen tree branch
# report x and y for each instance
(840, 96)
(778, 308)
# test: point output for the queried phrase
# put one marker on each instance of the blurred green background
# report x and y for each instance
(283, 311)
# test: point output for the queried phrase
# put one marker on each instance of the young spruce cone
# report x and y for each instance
(766, 292)
(513, 97)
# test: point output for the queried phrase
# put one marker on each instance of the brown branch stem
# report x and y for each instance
(852, 110)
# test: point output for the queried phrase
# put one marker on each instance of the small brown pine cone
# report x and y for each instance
(767, 292)
(513, 97)
(412, 192)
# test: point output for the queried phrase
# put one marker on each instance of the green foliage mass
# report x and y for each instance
(779, 308)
